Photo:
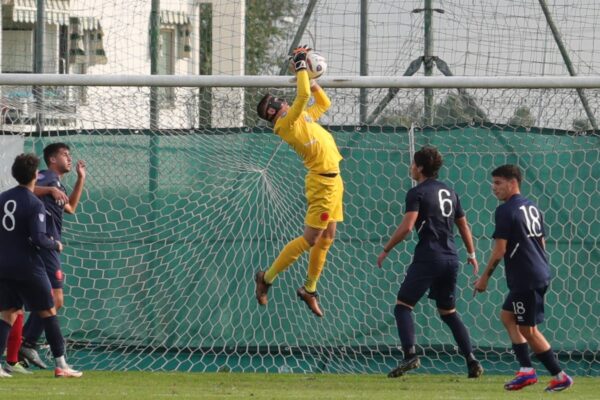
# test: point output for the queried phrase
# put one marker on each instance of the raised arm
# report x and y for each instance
(322, 102)
(71, 206)
(465, 233)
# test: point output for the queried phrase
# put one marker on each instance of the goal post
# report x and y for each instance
(174, 221)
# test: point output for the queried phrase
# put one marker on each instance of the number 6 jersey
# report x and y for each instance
(438, 207)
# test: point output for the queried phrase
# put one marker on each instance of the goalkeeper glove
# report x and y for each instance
(299, 58)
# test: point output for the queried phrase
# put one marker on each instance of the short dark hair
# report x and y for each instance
(269, 102)
(508, 171)
(52, 149)
(25, 167)
(430, 161)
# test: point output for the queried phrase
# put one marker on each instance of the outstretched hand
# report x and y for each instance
(298, 58)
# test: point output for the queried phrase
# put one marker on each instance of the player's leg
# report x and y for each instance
(529, 309)
(34, 327)
(416, 282)
(38, 297)
(10, 305)
(325, 198)
(443, 291)
(12, 348)
(526, 374)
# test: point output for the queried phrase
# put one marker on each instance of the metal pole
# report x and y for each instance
(299, 33)
(567, 60)
(154, 111)
(364, 57)
(428, 61)
(38, 65)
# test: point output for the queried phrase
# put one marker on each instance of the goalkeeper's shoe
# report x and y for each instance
(17, 368)
(29, 353)
(405, 366)
(521, 380)
(262, 288)
(4, 374)
(311, 300)
(563, 382)
(67, 372)
(475, 369)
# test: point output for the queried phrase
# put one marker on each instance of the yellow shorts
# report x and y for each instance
(324, 197)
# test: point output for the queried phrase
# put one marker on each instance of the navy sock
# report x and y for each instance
(406, 329)
(522, 354)
(54, 336)
(33, 329)
(460, 333)
(550, 362)
(5, 328)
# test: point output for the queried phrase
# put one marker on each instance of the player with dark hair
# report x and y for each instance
(519, 239)
(23, 278)
(53, 195)
(434, 208)
(297, 126)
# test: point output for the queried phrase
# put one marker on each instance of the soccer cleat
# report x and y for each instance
(262, 288)
(4, 374)
(475, 369)
(405, 366)
(67, 372)
(31, 355)
(17, 368)
(521, 380)
(556, 385)
(311, 300)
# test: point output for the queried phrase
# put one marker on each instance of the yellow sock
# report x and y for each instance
(288, 255)
(316, 263)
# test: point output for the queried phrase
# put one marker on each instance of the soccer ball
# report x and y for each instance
(315, 63)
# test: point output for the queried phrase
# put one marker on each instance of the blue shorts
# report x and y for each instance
(527, 306)
(34, 293)
(439, 277)
(51, 260)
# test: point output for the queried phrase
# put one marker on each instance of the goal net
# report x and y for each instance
(176, 218)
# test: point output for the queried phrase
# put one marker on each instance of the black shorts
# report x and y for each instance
(527, 306)
(439, 277)
(51, 260)
(34, 293)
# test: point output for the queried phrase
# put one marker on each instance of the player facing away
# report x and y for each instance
(53, 195)
(434, 208)
(519, 239)
(23, 278)
(297, 126)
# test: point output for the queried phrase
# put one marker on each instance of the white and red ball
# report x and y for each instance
(316, 65)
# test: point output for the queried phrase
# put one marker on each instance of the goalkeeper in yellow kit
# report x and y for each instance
(297, 126)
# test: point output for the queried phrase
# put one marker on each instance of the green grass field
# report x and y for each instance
(179, 385)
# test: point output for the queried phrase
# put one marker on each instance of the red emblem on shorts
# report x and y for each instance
(59, 275)
(325, 217)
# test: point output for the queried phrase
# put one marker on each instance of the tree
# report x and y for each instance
(457, 109)
(581, 125)
(412, 114)
(265, 31)
(522, 117)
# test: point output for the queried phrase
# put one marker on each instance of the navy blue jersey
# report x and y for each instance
(438, 207)
(521, 224)
(22, 231)
(54, 211)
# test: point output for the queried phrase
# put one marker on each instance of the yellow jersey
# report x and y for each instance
(298, 128)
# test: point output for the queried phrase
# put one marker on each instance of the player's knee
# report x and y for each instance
(527, 331)
(445, 311)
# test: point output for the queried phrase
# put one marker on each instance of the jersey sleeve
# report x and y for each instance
(459, 213)
(503, 222)
(413, 200)
(322, 104)
(301, 100)
(37, 228)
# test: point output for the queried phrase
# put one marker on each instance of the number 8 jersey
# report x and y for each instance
(521, 224)
(438, 207)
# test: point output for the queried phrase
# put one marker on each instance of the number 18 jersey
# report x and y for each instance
(438, 207)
